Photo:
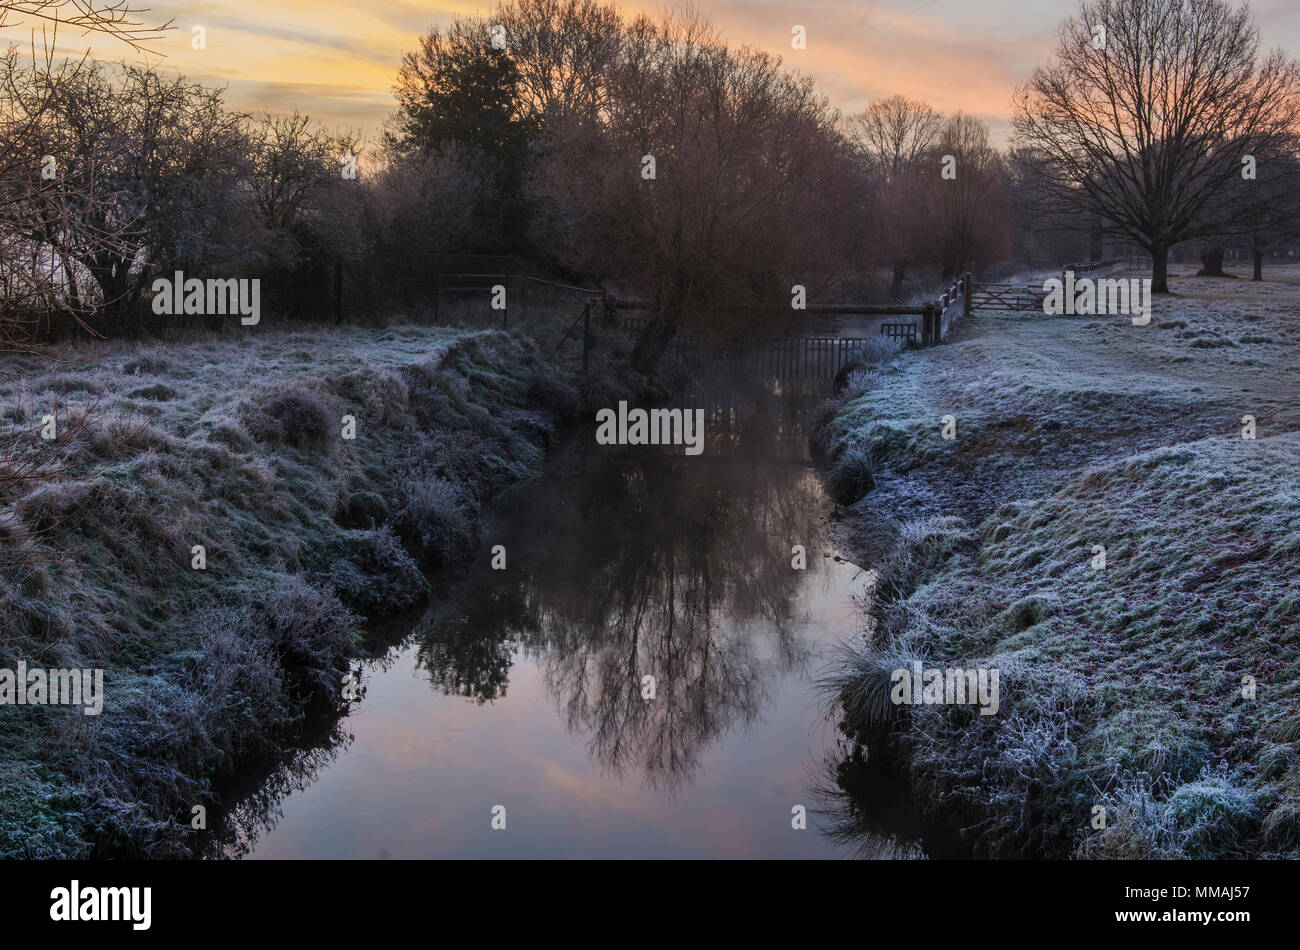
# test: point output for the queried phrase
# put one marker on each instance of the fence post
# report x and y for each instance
(437, 289)
(927, 324)
(966, 283)
(338, 289)
(586, 336)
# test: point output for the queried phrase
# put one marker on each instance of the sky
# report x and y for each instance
(336, 59)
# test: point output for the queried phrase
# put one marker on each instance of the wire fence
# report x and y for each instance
(569, 323)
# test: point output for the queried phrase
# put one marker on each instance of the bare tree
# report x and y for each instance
(562, 50)
(713, 177)
(34, 277)
(164, 165)
(115, 18)
(1037, 237)
(893, 134)
(1145, 113)
(1258, 210)
(299, 189)
(1273, 217)
(966, 216)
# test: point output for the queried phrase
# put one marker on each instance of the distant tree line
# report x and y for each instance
(640, 153)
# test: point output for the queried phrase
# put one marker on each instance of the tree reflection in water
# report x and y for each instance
(630, 562)
(256, 801)
(868, 809)
(641, 561)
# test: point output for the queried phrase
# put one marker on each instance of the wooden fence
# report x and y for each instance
(791, 357)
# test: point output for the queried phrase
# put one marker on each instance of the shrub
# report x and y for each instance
(381, 395)
(480, 464)
(861, 381)
(862, 684)
(548, 393)
(874, 351)
(362, 509)
(377, 576)
(296, 417)
(434, 519)
(878, 349)
(311, 634)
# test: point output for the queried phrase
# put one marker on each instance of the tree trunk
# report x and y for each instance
(115, 310)
(1211, 263)
(1095, 248)
(671, 296)
(1259, 265)
(653, 341)
(1159, 268)
(900, 273)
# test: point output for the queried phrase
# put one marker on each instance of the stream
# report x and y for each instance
(519, 696)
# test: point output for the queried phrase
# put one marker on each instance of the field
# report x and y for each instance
(1150, 706)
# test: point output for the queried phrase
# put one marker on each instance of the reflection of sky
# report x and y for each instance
(337, 59)
(425, 770)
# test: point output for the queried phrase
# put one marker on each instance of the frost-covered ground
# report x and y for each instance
(236, 443)
(1122, 687)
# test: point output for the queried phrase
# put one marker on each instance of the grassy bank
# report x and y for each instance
(1121, 686)
(235, 443)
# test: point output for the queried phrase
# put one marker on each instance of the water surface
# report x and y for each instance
(524, 687)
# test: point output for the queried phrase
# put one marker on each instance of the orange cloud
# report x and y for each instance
(337, 61)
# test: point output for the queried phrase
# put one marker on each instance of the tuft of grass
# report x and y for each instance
(1214, 816)
(434, 518)
(852, 476)
(861, 684)
(295, 416)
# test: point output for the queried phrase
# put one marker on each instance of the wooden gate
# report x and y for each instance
(1007, 297)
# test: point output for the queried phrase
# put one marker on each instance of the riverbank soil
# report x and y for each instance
(1103, 531)
(211, 522)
